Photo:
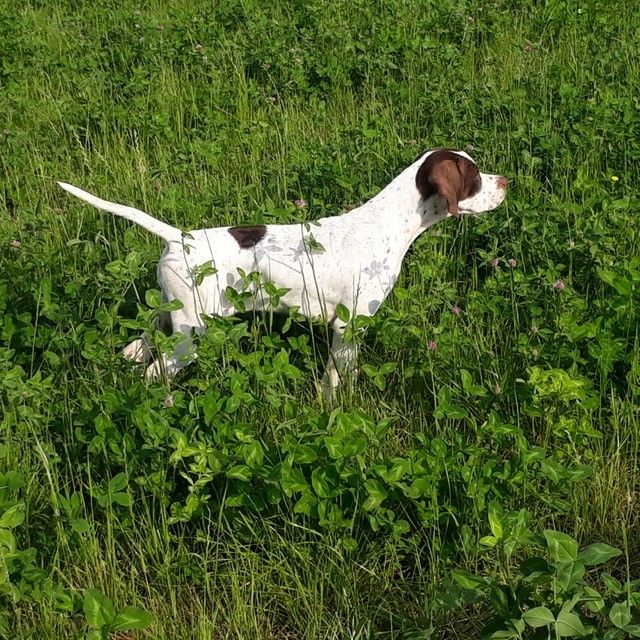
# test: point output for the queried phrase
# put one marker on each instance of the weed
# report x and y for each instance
(499, 383)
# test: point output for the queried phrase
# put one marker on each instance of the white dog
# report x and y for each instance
(353, 259)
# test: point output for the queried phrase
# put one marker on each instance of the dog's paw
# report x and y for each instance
(165, 368)
(137, 351)
(154, 371)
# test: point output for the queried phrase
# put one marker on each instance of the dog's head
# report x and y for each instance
(455, 178)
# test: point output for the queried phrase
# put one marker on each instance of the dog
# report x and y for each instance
(352, 259)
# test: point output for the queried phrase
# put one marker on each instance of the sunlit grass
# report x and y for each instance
(210, 115)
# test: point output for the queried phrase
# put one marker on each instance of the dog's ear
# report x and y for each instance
(446, 181)
(451, 176)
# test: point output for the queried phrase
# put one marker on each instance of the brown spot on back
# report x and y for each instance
(452, 176)
(248, 237)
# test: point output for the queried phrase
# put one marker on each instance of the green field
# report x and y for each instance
(446, 493)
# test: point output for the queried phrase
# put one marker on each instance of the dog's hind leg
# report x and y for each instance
(184, 322)
(168, 365)
(138, 350)
(141, 349)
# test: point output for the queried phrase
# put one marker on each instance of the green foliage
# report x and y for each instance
(503, 374)
(23, 581)
(550, 594)
(103, 620)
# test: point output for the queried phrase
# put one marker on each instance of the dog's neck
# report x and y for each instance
(399, 210)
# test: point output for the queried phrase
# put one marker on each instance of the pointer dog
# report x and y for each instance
(353, 259)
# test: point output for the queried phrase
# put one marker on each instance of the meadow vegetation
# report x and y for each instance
(479, 477)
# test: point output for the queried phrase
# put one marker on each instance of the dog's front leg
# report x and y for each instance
(342, 358)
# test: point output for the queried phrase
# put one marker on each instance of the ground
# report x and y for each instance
(499, 385)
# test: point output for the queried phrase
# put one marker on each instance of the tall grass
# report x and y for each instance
(225, 113)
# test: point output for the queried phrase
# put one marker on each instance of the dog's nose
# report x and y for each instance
(503, 183)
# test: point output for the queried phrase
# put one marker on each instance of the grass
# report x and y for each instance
(225, 113)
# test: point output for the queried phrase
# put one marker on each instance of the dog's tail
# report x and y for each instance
(165, 231)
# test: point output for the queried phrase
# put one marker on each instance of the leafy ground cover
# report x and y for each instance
(480, 477)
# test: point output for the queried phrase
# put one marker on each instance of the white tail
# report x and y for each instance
(158, 228)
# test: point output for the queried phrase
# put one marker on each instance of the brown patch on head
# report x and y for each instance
(452, 176)
(434, 150)
(248, 237)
